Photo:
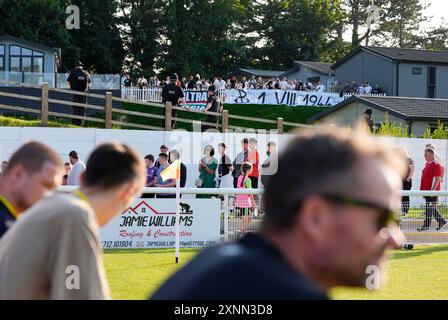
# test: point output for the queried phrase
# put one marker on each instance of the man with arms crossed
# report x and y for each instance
(32, 170)
(53, 252)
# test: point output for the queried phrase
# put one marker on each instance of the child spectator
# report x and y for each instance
(244, 202)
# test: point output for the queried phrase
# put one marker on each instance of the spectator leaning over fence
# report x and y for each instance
(245, 203)
(431, 181)
(283, 84)
(260, 83)
(79, 80)
(319, 87)
(326, 224)
(377, 89)
(151, 175)
(32, 170)
(368, 88)
(239, 160)
(191, 83)
(207, 171)
(173, 156)
(128, 82)
(53, 251)
(407, 178)
(74, 178)
(174, 94)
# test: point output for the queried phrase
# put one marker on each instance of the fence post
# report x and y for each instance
(108, 110)
(225, 120)
(44, 107)
(280, 125)
(168, 106)
(226, 217)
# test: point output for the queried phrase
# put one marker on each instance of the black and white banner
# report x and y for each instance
(282, 97)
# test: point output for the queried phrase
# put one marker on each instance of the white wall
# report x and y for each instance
(189, 144)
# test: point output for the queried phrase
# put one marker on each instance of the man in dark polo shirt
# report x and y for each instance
(212, 106)
(32, 170)
(326, 224)
(173, 93)
(431, 181)
(79, 80)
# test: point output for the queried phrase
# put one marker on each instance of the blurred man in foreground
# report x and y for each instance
(328, 221)
(53, 252)
(32, 170)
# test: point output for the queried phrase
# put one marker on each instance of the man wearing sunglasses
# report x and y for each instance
(328, 221)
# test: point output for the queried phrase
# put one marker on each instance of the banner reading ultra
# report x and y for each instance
(150, 223)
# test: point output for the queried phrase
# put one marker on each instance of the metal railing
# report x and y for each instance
(108, 110)
(59, 80)
(154, 94)
(235, 219)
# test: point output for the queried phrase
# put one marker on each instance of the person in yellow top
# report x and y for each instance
(32, 170)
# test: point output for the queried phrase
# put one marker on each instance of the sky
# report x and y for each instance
(437, 9)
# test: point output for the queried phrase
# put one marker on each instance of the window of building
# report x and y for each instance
(417, 70)
(432, 77)
(25, 60)
(2, 58)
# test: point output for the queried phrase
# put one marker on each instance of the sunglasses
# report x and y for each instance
(387, 216)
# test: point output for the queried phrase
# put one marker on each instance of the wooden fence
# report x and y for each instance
(109, 110)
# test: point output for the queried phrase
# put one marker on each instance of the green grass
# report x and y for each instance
(269, 112)
(21, 120)
(421, 273)
(14, 121)
(135, 274)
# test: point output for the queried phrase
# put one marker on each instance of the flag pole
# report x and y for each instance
(177, 217)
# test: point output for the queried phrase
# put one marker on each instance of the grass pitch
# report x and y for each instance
(421, 273)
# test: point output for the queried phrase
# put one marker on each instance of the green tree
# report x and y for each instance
(296, 29)
(142, 22)
(205, 37)
(401, 22)
(97, 43)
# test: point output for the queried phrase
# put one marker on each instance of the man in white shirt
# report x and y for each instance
(367, 88)
(74, 178)
(361, 90)
(283, 84)
(320, 87)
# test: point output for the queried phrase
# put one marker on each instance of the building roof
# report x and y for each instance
(322, 67)
(262, 73)
(400, 55)
(7, 37)
(401, 107)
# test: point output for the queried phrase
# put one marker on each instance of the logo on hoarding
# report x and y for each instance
(145, 207)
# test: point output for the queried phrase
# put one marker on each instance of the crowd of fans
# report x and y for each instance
(200, 83)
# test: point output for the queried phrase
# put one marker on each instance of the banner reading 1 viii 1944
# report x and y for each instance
(282, 97)
(151, 223)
